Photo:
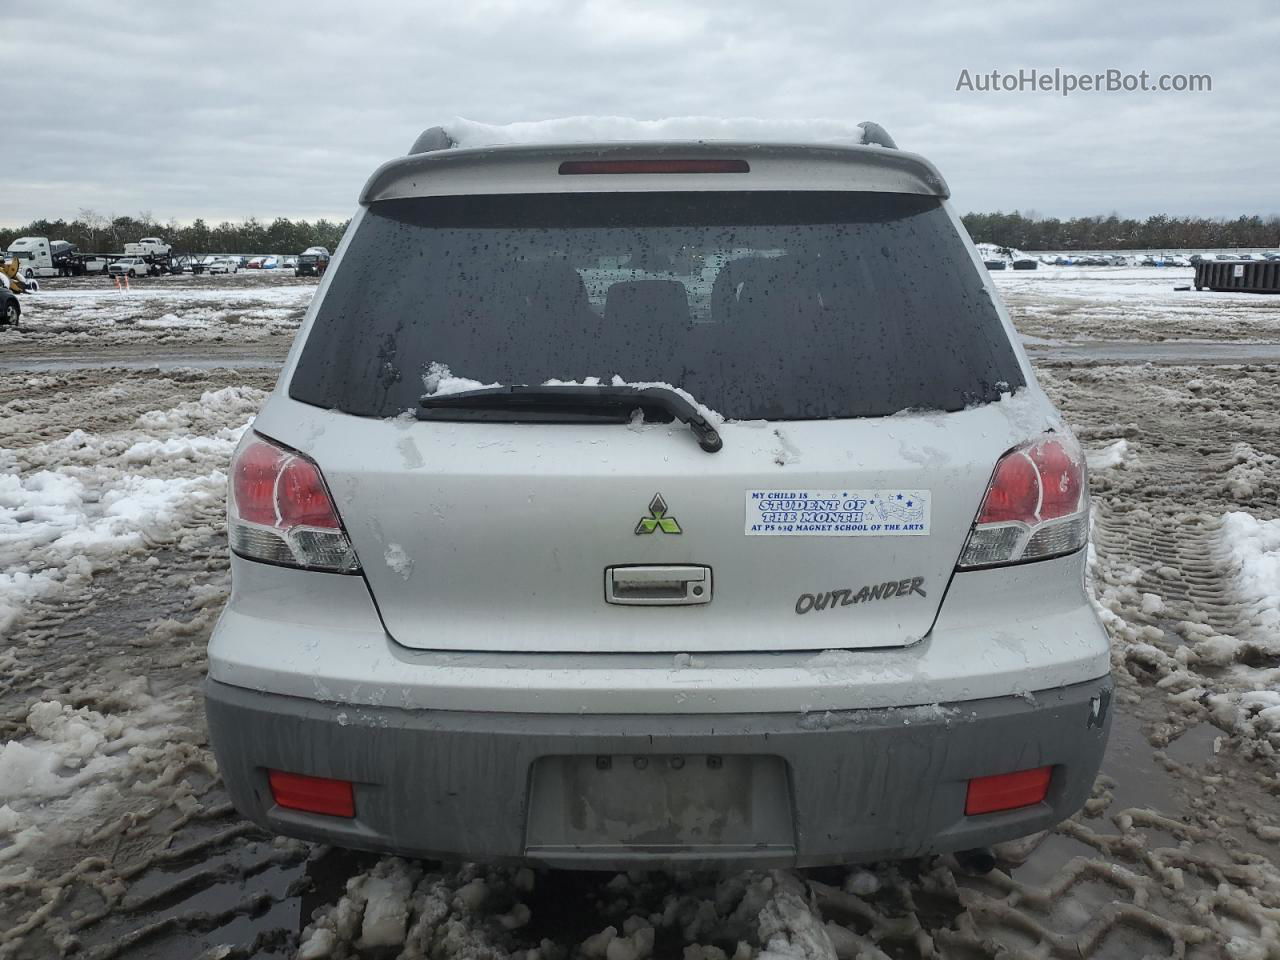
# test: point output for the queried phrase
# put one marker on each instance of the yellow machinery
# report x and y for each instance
(12, 280)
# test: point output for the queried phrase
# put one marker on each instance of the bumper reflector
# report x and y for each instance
(1007, 791)
(333, 798)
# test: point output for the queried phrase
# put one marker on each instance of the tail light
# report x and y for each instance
(1036, 506)
(279, 510)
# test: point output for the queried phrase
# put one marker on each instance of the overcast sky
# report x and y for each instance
(225, 111)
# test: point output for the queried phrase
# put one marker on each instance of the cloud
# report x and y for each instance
(225, 110)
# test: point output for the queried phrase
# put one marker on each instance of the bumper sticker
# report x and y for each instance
(837, 513)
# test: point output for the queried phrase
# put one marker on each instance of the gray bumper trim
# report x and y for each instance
(863, 784)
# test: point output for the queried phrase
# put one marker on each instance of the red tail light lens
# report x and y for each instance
(303, 500)
(1036, 505)
(280, 511)
(334, 798)
(254, 476)
(1007, 791)
(1062, 479)
(1014, 493)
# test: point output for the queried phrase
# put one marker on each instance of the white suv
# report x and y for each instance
(656, 503)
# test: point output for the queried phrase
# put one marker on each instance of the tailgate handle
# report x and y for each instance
(660, 585)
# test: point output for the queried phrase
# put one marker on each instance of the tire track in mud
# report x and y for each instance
(1198, 448)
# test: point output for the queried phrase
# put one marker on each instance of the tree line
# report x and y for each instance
(93, 232)
(1031, 232)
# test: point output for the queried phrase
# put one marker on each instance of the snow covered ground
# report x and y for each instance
(1067, 304)
(90, 311)
(116, 838)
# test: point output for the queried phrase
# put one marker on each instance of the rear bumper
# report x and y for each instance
(834, 787)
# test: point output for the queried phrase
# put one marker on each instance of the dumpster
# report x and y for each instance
(1243, 276)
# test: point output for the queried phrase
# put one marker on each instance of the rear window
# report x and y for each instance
(775, 305)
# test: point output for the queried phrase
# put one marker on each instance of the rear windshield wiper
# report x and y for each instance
(567, 404)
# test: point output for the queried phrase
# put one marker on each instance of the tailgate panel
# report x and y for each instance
(499, 536)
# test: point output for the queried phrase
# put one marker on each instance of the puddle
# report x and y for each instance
(1195, 746)
(1049, 858)
(245, 901)
(1140, 779)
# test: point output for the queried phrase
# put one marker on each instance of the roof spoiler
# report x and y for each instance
(437, 138)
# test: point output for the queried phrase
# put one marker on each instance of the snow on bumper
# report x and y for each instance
(612, 791)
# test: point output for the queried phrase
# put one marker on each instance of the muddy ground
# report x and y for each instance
(124, 844)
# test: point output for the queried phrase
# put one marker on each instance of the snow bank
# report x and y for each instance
(478, 912)
(160, 312)
(469, 133)
(1255, 546)
(1112, 455)
(70, 504)
(1250, 473)
(72, 759)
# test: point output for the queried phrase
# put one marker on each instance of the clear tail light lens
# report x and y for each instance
(280, 511)
(1036, 506)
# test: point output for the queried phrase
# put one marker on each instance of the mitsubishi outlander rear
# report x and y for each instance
(654, 503)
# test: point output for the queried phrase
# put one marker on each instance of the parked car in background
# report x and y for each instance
(1025, 263)
(995, 264)
(555, 616)
(289, 263)
(129, 267)
(312, 262)
(148, 246)
(226, 265)
(255, 263)
(270, 263)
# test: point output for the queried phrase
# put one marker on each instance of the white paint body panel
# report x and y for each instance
(510, 527)
(1001, 632)
(485, 595)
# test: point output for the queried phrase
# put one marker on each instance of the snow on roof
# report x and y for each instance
(470, 133)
